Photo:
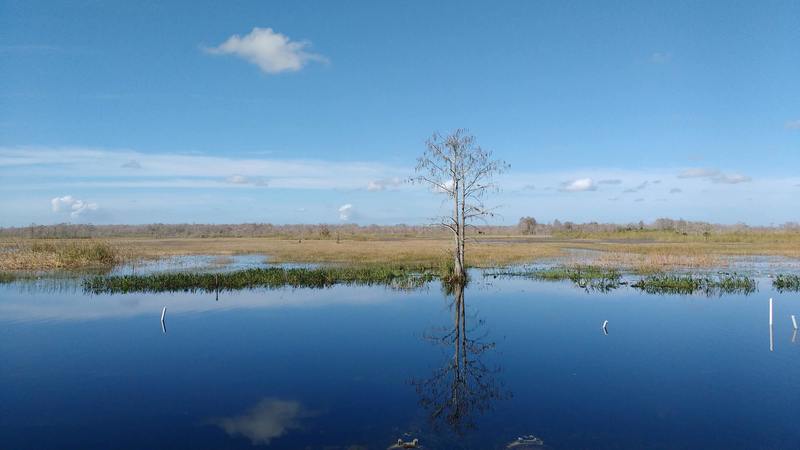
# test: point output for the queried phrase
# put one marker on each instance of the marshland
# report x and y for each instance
(449, 225)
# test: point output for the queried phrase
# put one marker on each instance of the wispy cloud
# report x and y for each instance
(245, 180)
(638, 188)
(579, 185)
(271, 51)
(715, 176)
(383, 184)
(612, 181)
(66, 168)
(660, 57)
(132, 164)
(793, 124)
(675, 191)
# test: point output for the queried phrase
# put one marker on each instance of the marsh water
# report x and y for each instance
(361, 367)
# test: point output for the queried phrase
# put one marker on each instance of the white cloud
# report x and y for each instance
(579, 185)
(346, 212)
(272, 52)
(245, 180)
(383, 184)
(75, 207)
(610, 181)
(715, 176)
(447, 187)
(793, 124)
(266, 421)
(675, 191)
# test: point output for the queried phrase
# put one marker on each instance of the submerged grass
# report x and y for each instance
(273, 277)
(588, 277)
(787, 283)
(690, 284)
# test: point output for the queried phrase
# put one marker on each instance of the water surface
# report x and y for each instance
(360, 367)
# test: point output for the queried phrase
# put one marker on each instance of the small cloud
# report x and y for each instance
(613, 199)
(611, 181)
(382, 185)
(75, 207)
(529, 187)
(272, 52)
(731, 179)
(244, 180)
(793, 124)
(268, 420)
(579, 185)
(346, 212)
(637, 188)
(660, 57)
(675, 191)
(448, 187)
(698, 173)
(715, 176)
(639, 200)
(300, 210)
(132, 164)
(656, 181)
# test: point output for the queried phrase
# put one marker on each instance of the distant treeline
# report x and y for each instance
(526, 226)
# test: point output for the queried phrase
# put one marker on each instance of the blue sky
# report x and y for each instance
(288, 112)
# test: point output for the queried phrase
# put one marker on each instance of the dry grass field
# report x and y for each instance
(641, 255)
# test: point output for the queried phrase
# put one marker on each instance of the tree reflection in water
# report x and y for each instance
(465, 386)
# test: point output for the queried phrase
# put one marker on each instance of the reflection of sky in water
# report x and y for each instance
(333, 368)
(199, 263)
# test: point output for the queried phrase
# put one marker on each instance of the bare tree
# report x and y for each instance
(456, 166)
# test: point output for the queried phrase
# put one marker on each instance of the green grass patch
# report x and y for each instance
(787, 283)
(274, 277)
(690, 284)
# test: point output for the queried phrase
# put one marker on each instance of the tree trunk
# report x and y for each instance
(458, 266)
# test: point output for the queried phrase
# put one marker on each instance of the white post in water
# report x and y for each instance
(605, 327)
(794, 322)
(164, 312)
(770, 312)
(771, 336)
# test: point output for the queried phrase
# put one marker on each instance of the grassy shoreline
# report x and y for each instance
(643, 257)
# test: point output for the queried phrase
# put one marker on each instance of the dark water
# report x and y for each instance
(356, 367)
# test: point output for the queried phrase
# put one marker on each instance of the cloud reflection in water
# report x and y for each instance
(267, 420)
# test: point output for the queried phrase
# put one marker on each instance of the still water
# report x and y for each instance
(361, 367)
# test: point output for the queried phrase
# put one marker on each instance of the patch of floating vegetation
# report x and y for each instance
(401, 277)
(587, 277)
(787, 283)
(691, 284)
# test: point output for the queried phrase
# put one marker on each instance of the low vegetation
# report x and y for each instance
(691, 284)
(787, 283)
(58, 254)
(588, 277)
(273, 277)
